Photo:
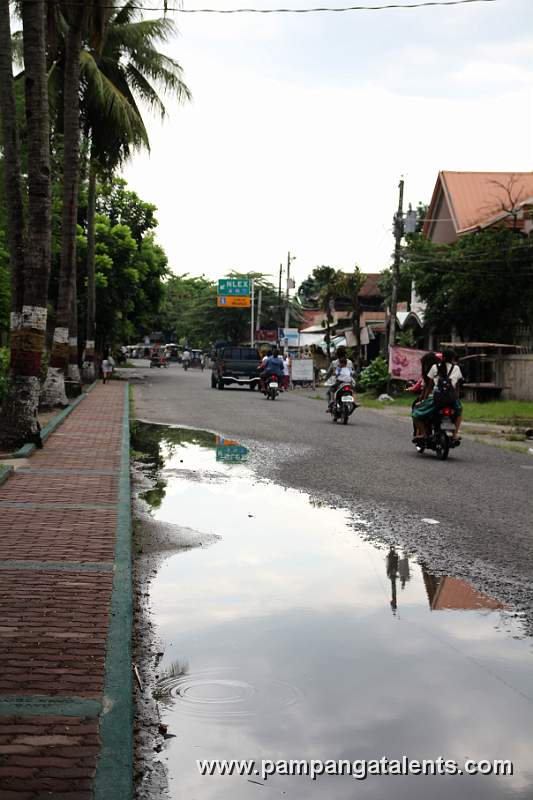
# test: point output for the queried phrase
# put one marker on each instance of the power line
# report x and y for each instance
(318, 9)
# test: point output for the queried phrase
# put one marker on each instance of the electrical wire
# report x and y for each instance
(314, 10)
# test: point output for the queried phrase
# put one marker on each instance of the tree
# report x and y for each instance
(327, 279)
(481, 285)
(121, 60)
(29, 247)
(349, 286)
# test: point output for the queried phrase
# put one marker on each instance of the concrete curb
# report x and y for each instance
(114, 773)
(28, 449)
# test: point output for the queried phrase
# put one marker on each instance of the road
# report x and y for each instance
(481, 497)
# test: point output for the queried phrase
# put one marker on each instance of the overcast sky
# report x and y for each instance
(301, 126)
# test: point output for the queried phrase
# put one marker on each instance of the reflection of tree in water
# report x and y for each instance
(154, 444)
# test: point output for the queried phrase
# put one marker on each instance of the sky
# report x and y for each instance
(301, 126)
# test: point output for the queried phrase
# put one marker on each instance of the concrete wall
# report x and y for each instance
(515, 374)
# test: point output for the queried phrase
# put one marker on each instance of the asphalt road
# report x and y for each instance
(481, 497)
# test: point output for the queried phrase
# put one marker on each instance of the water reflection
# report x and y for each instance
(452, 593)
(291, 649)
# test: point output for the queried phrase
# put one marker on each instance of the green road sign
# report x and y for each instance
(231, 287)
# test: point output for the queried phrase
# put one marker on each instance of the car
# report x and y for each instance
(235, 366)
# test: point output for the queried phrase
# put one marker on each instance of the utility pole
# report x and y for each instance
(289, 284)
(280, 318)
(398, 234)
(252, 325)
(259, 304)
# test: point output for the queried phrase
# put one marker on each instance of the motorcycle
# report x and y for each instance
(157, 360)
(440, 438)
(343, 404)
(272, 384)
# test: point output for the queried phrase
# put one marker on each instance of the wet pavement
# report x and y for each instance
(292, 634)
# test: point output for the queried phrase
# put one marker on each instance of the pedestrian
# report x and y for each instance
(107, 368)
(286, 372)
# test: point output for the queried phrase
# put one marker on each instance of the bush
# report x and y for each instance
(374, 378)
(4, 372)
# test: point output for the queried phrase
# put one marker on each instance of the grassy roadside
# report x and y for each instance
(503, 412)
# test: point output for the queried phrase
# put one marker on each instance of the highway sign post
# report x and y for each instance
(234, 287)
(233, 302)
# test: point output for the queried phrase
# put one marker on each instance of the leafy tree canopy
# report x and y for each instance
(482, 285)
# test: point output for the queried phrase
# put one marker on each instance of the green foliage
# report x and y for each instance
(406, 338)
(189, 311)
(4, 371)
(374, 378)
(129, 266)
(5, 286)
(481, 285)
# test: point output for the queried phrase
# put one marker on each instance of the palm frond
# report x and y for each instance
(144, 89)
(114, 104)
(144, 33)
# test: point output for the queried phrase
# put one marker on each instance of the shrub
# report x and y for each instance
(374, 378)
(4, 372)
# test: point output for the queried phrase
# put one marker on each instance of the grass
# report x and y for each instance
(504, 412)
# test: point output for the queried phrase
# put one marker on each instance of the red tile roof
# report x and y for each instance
(476, 199)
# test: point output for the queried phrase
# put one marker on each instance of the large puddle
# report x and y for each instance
(292, 636)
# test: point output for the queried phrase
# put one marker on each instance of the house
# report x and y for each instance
(466, 202)
(372, 318)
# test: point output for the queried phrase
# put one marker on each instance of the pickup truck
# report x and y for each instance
(235, 365)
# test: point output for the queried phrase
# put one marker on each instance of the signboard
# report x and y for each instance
(288, 336)
(266, 336)
(229, 451)
(302, 369)
(234, 287)
(233, 302)
(404, 363)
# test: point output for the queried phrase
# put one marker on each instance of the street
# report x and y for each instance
(359, 603)
(481, 497)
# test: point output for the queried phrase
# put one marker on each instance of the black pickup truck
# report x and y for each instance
(235, 365)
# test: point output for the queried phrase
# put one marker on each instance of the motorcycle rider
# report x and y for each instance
(273, 366)
(186, 358)
(343, 370)
(445, 367)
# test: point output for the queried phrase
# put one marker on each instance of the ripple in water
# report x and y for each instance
(215, 694)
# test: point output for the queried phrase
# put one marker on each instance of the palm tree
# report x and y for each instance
(64, 356)
(120, 63)
(117, 62)
(349, 287)
(30, 249)
(327, 278)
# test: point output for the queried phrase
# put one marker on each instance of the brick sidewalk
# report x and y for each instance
(59, 518)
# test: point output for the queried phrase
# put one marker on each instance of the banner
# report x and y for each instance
(288, 336)
(302, 369)
(404, 363)
(266, 336)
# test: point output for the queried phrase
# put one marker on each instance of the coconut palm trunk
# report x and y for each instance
(10, 143)
(64, 356)
(89, 372)
(29, 303)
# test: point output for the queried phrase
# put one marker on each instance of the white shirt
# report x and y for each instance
(455, 375)
(286, 369)
(186, 355)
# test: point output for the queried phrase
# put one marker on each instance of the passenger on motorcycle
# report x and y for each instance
(342, 369)
(443, 381)
(273, 366)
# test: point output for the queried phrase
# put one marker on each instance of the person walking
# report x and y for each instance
(107, 368)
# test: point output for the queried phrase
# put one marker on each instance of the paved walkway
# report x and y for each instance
(65, 608)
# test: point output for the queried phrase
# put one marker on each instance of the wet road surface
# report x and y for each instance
(296, 635)
(481, 497)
